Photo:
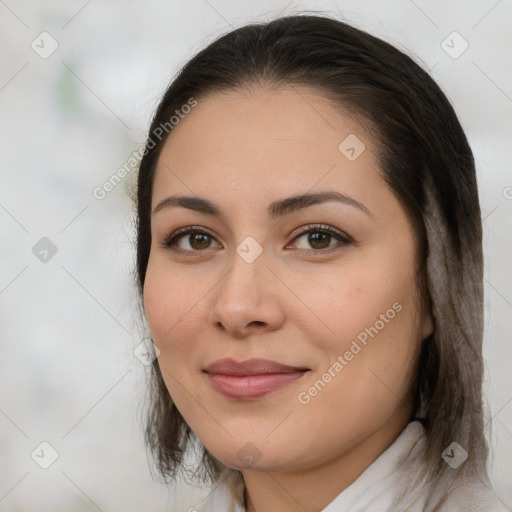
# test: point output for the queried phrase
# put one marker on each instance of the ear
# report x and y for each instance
(427, 322)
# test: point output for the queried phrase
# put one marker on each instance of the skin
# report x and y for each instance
(243, 150)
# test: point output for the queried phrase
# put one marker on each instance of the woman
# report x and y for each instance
(309, 260)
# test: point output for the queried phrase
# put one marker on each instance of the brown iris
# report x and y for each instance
(323, 239)
(199, 241)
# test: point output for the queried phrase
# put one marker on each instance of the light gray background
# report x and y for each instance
(68, 122)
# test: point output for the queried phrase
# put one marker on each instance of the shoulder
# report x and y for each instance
(472, 495)
(466, 492)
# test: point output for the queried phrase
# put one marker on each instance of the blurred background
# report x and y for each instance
(79, 82)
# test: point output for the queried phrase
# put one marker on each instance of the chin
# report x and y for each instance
(247, 456)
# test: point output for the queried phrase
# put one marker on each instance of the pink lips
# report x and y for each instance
(250, 379)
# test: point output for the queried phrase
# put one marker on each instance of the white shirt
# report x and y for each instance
(376, 487)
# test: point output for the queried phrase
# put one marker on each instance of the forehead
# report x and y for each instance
(261, 134)
(286, 113)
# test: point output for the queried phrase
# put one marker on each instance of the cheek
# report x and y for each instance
(171, 305)
(369, 317)
(350, 300)
(170, 301)
(373, 378)
(177, 302)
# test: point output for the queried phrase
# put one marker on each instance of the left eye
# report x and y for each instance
(319, 239)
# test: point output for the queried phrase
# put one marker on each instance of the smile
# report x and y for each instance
(251, 379)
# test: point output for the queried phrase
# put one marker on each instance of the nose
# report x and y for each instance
(247, 299)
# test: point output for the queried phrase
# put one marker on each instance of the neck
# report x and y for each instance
(313, 489)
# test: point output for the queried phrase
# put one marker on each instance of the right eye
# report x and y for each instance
(189, 239)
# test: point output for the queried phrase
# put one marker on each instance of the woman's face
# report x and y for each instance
(323, 289)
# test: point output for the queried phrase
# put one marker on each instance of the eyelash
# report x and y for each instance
(342, 238)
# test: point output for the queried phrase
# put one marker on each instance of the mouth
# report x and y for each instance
(251, 379)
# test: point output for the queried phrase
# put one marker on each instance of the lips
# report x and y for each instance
(250, 367)
(251, 379)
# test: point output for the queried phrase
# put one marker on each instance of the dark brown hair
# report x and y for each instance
(425, 159)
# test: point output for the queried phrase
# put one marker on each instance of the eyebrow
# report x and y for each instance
(276, 210)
